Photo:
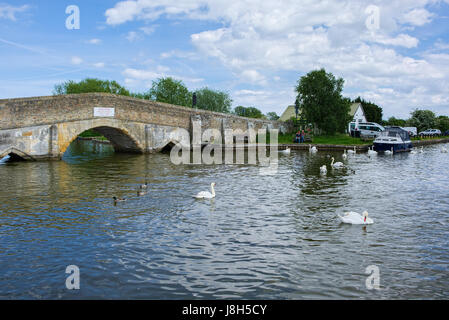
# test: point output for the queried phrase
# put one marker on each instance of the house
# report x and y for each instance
(288, 113)
(357, 113)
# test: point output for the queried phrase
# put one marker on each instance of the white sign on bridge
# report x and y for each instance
(104, 112)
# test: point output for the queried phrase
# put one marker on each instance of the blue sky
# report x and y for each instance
(254, 50)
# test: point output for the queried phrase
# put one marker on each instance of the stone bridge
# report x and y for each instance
(43, 127)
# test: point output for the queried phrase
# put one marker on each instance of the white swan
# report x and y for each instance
(389, 152)
(421, 150)
(413, 151)
(323, 169)
(344, 156)
(207, 194)
(355, 218)
(352, 151)
(336, 165)
(371, 152)
(286, 151)
(443, 150)
(313, 149)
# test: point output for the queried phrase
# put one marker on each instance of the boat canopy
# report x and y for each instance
(396, 131)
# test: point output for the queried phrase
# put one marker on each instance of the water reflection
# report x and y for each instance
(263, 237)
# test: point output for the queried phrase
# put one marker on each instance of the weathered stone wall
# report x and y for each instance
(43, 127)
(27, 142)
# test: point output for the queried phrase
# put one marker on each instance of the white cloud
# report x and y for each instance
(417, 17)
(99, 65)
(94, 41)
(137, 74)
(133, 36)
(253, 77)
(76, 60)
(125, 11)
(257, 40)
(402, 40)
(122, 12)
(179, 54)
(148, 30)
(440, 45)
(9, 12)
(245, 92)
(139, 34)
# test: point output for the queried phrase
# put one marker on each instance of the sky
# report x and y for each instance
(394, 53)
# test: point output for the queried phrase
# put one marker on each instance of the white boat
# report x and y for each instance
(393, 138)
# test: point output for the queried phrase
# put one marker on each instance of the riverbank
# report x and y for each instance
(424, 142)
(325, 147)
(338, 139)
(360, 148)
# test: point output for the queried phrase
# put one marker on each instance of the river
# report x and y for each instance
(262, 237)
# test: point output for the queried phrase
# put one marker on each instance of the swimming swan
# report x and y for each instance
(352, 151)
(443, 150)
(421, 150)
(313, 149)
(389, 152)
(371, 152)
(344, 156)
(336, 165)
(355, 218)
(286, 151)
(323, 169)
(207, 194)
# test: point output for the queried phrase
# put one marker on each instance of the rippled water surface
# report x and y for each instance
(263, 237)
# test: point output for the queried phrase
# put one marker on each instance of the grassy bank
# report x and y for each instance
(338, 139)
(92, 134)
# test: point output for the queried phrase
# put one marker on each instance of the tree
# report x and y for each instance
(250, 112)
(144, 95)
(442, 123)
(422, 119)
(272, 116)
(213, 100)
(392, 121)
(322, 102)
(90, 85)
(373, 112)
(171, 91)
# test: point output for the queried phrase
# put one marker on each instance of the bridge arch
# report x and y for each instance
(121, 138)
(15, 154)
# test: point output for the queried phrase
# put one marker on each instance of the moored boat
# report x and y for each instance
(393, 138)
